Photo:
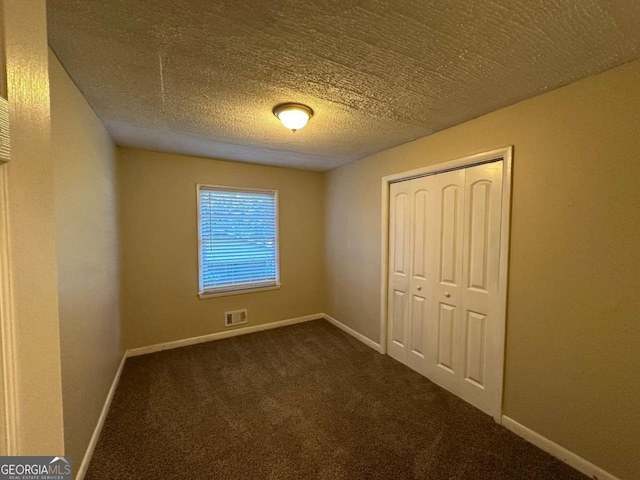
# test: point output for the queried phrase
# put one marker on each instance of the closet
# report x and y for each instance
(445, 316)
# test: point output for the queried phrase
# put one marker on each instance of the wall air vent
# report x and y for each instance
(235, 317)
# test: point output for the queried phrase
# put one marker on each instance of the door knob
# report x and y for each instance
(419, 288)
(447, 294)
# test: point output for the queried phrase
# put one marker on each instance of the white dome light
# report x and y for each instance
(294, 116)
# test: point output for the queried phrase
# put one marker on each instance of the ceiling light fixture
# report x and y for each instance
(294, 116)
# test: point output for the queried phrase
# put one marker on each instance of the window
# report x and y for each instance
(238, 240)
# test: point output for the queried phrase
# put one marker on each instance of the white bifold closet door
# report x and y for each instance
(444, 241)
(410, 263)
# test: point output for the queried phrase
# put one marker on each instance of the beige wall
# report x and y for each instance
(573, 332)
(32, 232)
(159, 246)
(87, 250)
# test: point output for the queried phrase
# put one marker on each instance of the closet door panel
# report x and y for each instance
(475, 358)
(481, 259)
(418, 313)
(399, 269)
(443, 362)
(421, 267)
(446, 329)
(449, 227)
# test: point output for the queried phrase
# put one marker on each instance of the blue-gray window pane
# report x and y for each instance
(237, 238)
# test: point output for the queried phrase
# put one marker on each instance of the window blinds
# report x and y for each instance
(238, 239)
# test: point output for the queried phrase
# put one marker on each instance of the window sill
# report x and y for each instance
(244, 291)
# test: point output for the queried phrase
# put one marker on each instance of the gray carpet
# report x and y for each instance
(301, 402)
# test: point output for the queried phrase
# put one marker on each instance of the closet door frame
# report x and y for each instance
(505, 155)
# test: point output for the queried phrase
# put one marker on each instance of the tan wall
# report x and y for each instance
(32, 231)
(159, 246)
(573, 332)
(87, 247)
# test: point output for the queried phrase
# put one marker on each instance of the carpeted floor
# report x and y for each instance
(300, 402)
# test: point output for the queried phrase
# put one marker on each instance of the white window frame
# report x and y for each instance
(242, 289)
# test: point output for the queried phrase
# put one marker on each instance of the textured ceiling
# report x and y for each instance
(201, 77)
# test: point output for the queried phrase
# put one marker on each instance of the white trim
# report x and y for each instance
(103, 416)
(366, 340)
(231, 188)
(134, 352)
(463, 162)
(10, 415)
(505, 155)
(384, 264)
(557, 451)
(244, 291)
(503, 282)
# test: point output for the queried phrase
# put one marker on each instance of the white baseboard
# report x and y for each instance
(557, 451)
(103, 415)
(366, 340)
(134, 352)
